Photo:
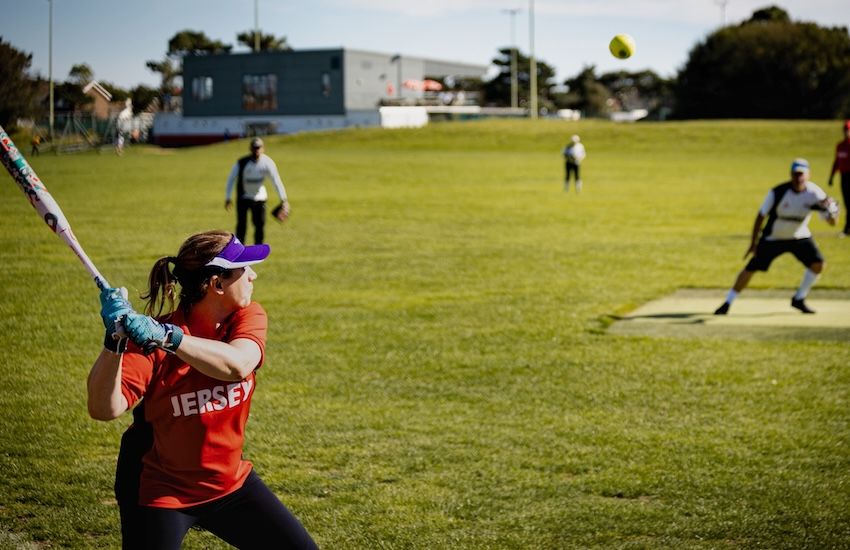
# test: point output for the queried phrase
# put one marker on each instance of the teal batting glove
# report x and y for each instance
(113, 308)
(149, 334)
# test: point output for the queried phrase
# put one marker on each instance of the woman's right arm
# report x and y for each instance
(105, 400)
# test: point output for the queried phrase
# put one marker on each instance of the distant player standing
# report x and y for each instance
(787, 208)
(573, 153)
(842, 165)
(248, 175)
(36, 142)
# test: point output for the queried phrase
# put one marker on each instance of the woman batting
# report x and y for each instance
(181, 462)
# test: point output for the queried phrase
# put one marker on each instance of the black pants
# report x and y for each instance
(845, 193)
(251, 517)
(135, 442)
(571, 168)
(258, 218)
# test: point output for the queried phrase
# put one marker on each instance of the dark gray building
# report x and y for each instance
(233, 95)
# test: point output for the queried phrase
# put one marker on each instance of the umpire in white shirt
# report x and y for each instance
(787, 209)
(248, 175)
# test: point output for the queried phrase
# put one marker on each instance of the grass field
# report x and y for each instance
(439, 374)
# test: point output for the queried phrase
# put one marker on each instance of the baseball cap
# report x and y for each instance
(800, 165)
(256, 143)
(236, 255)
(575, 138)
(847, 124)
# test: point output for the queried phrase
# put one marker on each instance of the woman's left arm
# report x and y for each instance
(231, 361)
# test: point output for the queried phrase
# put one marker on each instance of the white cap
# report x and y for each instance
(800, 166)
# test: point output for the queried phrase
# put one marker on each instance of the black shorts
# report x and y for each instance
(805, 250)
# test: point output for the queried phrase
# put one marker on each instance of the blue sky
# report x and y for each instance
(117, 37)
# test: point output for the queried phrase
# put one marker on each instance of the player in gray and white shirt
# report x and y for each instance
(248, 175)
(787, 209)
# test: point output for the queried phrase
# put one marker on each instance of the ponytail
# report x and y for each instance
(161, 287)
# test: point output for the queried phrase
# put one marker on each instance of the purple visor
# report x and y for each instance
(236, 255)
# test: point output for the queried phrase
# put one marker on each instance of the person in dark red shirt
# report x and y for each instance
(191, 374)
(842, 165)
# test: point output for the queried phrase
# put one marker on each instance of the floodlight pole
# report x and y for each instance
(514, 86)
(50, 64)
(722, 4)
(256, 26)
(533, 62)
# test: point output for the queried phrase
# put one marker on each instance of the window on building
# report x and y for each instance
(202, 88)
(259, 92)
(326, 85)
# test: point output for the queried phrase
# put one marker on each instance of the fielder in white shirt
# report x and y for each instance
(248, 175)
(787, 209)
(573, 153)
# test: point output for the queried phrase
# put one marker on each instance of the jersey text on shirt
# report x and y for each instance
(208, 400)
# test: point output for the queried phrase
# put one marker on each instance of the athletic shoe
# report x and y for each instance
(801, 305)
(722, 310)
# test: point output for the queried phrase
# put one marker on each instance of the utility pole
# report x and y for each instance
(256, 27)
(722, 4)
(50, 66)
(514, 84)
(533, 62)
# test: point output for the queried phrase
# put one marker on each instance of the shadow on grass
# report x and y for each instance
(689, 317)
(696, 317)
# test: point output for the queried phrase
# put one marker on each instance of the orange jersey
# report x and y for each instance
(198, 421)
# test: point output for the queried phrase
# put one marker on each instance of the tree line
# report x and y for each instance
(765, 67)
